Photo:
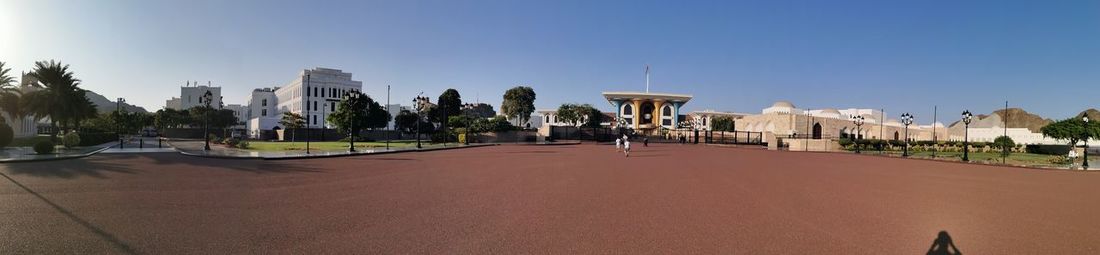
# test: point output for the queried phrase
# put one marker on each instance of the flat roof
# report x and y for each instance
(627, 95)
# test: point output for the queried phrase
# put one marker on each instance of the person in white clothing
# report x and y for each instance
(618, 144)
(626, 147)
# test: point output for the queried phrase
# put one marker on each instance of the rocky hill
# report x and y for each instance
(105, 105)
(1093, 114)
(1017, 118)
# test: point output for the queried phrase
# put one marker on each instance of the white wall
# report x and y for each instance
(324, 84)
(192, 96)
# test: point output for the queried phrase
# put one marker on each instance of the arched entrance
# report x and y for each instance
(896, 136)
(817, 131)
(646, 113)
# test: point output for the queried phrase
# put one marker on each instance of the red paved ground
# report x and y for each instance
(545, 199)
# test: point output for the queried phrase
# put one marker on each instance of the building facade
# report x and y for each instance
(647, 112)
(192, 96)
(313, 93)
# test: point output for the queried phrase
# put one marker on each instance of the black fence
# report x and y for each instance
(734, 137)
(598, 134)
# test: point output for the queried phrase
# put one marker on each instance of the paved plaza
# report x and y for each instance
(663, 199)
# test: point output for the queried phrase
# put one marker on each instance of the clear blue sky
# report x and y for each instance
(1043, 56)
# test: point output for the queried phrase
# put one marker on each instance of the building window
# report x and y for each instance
(628, 110)
(314, 119)
(263, 112)
(263, 102)
(314, 105)
(333, 107)
(314, 91)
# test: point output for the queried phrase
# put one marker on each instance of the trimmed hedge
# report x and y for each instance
(43, 147)
(70, 140)
(1048, 149)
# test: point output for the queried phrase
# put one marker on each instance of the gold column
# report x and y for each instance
(657, 113)
(637, 113)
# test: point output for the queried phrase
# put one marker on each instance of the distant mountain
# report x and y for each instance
(1092, 113)
(1017, 118)
(104, 105)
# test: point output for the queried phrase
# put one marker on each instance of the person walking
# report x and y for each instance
(645, 142)
(626, 147)
(618, 144)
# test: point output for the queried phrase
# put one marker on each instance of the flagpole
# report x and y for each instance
(646, 78)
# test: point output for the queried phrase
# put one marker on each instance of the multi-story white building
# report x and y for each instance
(239, 111)
(191, 96)
(173, 103)
(307, 93)
(313, 93)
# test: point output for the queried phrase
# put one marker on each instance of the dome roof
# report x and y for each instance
(783, 104)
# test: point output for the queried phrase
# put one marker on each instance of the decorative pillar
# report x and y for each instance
(618, 110)
(637, 113)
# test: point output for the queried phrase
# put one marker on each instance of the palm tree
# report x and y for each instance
(60, 97)
(10, 95)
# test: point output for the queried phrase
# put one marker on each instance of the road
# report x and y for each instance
(544, 199)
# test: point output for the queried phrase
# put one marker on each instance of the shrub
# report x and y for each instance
(70, 140)
(43, 147)
(1058, 160)
(243, 145)
(439, 137)
(7, 135)
(231, 142)
(1048, 149)
(357, 139)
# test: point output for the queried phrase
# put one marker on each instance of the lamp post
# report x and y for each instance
(418, 105)
(118, 121)
(858, 120)
(906, 119)
(206, 97)
(306, 88)
(1085, 156)
(966, 117)
(353, 99)
(391, 117)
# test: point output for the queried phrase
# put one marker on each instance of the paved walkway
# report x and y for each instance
(195, 148)
(22, 154)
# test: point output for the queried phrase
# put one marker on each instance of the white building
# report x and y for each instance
(173, 103)
(239, 111)
(191, 96)
(394, 110)
(313, 93)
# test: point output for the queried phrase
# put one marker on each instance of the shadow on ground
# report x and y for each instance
(943, 245)
(98, 166)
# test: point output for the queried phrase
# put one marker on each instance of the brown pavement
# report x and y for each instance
(665, 198)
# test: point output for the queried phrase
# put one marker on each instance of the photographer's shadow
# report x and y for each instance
(943, 245)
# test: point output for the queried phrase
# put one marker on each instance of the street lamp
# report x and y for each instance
(906, 119)
(966, 117)
(858, 120)
(118, 121)
(206, 98)
(306, 88)
(1085, 158)
(419, 106)
(353, 99)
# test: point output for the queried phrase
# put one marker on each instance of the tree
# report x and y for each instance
(292, 121)
(479, 110)
(171, 118)
(1072, 130)
(449, 104)
(519, 103)
(579, 114)
(363, 111)
(1005, 143)
(60, 97)
(406, 122)
(568, 113)
(723, 123)
(11, 101)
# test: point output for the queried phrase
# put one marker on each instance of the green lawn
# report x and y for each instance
(327, 146)
(1018, 158)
